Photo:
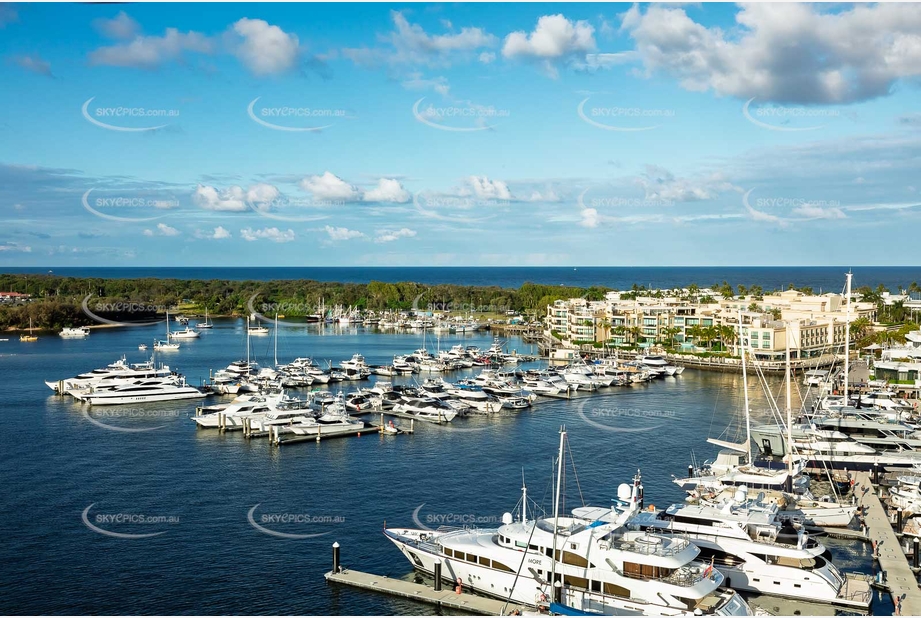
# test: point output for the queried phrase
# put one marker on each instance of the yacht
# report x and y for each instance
(755, 551)
(207, 324)
(119, 370)
(243, 406)
(145, 392)
(258, 330)
(164, 346)
(426, 409)
(659, 364)
(815, 377)
(186, 333)
(602, 567)
(75, 333)
(30, 337)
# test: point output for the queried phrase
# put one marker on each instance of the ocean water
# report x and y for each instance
(66, 470)
(820, 278)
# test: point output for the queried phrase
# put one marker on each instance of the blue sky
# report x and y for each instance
(465, 134)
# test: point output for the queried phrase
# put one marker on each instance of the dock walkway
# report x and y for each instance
(899, 576)
(417, 592)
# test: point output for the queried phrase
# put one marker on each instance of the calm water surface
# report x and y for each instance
(198, 486)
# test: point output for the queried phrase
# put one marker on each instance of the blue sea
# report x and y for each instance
(820, 278)
(70, 472)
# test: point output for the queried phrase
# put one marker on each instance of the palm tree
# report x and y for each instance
(670, 332)
(635, 332)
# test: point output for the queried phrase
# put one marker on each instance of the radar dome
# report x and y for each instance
(506, 518)
(624, 491)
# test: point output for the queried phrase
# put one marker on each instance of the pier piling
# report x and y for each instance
(336, 557)
(438, 576)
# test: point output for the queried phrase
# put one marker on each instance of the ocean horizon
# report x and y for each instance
(821, 278)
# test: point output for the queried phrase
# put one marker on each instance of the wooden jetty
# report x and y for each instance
(447, 598)
(899, 578)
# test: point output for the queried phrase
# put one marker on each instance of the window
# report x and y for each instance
(449, 552)
(576, 582)
(498, 565)
(615, 590)
(574, 559)
(484, 561)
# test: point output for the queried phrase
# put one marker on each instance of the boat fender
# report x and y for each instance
(652, 507)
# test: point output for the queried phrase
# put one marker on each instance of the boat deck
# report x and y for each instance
(417, 592)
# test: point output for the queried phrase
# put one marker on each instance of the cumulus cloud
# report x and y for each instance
(554, 38)
(390, 236)
(328, 186)
(484, 188)
(388, 190)
(234, 198)
(787, 53)
(12, 247)
(162, 229)
(661, 184)
(408, 43)
(120, 27)
(265, 49)
(34, 63)
(590, 218)
(149, 52)
(218, 233)
(415, 81)
(486, 57)
(342, 233)
(269, 233)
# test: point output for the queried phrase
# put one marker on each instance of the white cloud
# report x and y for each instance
(390, 236)
(329, 187)
(18, 207)
(549, 195)
(661, 185)
(269, 233)
(265, 49)
(234, 198)
(388, 190)
(15, 247)
(789, 53)
(600, 62)
(149, 52)
(342, 233)
(162, 229)
(415, 81)
(554, 38)
(484, 188)
(590, 218)
(35, 64)
(816, 211)
(120, 27)
(410, 44)
(486, 57)
(219, 233)
(231, 199)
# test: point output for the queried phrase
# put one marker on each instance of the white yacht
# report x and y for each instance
(602, 567)
(243, 406)
(119, 370)
(426, 409)
(659, 364)
(75, 333)
(207, 324)
(258, 330)
(815, 377)
(144, 392)
(755, 552)
(186, 333)
(164, 346)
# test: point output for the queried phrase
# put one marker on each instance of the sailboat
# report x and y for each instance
(30, 336)
(167, 344)
(734, 465)
(206, 324)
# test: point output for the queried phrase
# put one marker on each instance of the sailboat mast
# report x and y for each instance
(276, 339)
(247, 343)
(847, 336)
(748, 427)
(556, 506)
(789, 448)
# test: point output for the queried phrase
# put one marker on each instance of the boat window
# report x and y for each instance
(498, 565)
(574, 559)
(596, 586)
(615, 590)
(521, 544)
(575, 582)
(484, 561)
(449, 552)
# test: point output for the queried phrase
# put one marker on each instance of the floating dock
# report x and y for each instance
(900, 580)
(418, 592)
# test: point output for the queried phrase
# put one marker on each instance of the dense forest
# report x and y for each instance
(58, 301)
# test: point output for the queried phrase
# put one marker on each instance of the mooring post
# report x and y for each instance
(557, 592)
(875, 473)
(336, 557)
(690, 471)
(898, 520)
(915, 553)
(437, 575)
